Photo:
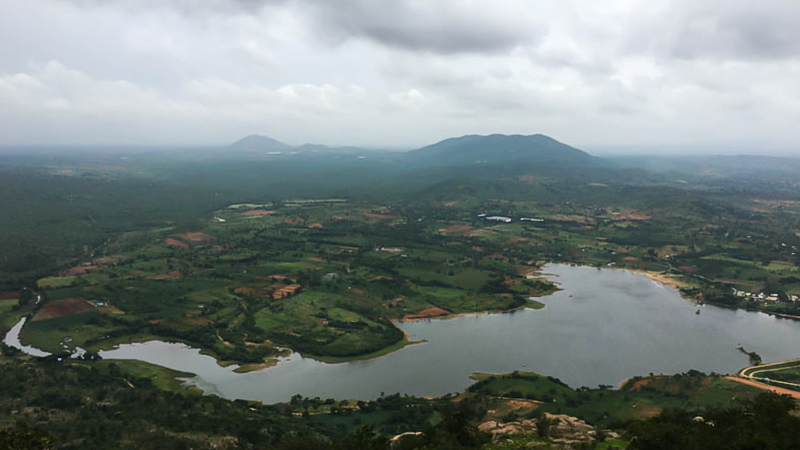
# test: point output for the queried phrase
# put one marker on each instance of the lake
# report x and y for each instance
(603, 327)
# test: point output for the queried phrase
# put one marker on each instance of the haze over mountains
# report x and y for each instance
(259, 143)
(464, 150)
(525, 151)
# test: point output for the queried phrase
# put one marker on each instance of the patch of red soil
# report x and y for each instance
(638, 385)
(381, 277)
(176, 243)
(777, 390)
(174, 275)
(80, 270)
(197, 236)
(315, 225)
(496, 257)
(286, 291)
(569, 218)
(63, 307)
(258, 212)
(10, 295)
(426, 313)
(380, 216)
(103, 260)
(456, 229)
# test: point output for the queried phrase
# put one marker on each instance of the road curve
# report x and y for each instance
(777, 390)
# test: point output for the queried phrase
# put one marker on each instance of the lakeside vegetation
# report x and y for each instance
(639, 397)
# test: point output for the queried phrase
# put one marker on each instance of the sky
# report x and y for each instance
(677, 74)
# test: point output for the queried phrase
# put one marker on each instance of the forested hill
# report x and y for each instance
(501, 149)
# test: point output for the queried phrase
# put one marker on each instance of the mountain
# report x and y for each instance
(260, 143)
(501, 149)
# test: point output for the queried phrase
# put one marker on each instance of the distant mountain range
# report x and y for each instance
(256, 143)
(495, 149)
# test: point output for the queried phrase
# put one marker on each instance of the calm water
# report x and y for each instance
(605, 326)
(12, 340)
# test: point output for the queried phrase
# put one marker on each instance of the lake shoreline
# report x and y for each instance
(397, 346)
(596, 313)
(473, 313)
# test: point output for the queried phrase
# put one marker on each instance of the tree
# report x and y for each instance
(543, 426)
(22, 437)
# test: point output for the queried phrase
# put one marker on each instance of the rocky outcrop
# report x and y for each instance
(564, 429)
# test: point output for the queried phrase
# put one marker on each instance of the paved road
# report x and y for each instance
(757, 384)
(761, 367)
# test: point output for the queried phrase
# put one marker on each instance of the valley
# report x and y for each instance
(266, 282)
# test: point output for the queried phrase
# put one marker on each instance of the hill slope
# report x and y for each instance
(259, 143)
(500, 149)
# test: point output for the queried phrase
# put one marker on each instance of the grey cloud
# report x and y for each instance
(724, 29)
(391, 72)
(688, 29)
(442, 26)
(186, 7)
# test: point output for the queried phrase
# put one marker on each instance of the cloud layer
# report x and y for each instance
(400, 73)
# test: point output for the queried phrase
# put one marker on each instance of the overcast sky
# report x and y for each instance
(401, 73)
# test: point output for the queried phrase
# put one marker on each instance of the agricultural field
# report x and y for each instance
(325, 278)
(328, 276)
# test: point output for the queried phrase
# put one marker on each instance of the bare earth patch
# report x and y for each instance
(426, 313)
(380, 216)
(174, 275)
(176, 243)
(258, 212)
(197, 236)
(10, 295)
(63, 307)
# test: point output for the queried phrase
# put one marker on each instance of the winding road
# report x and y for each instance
(748, 376)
